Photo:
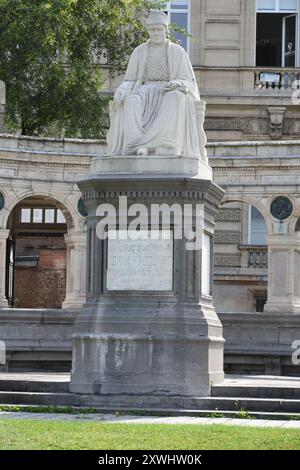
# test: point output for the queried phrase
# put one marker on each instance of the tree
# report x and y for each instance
(50, 56)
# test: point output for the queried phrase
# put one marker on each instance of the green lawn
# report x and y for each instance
(23, 434)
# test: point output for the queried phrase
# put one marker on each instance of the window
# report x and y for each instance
(257, 228)
(178, 11)
(49, 216)
(60, 218)
(277, 33)
(37, 216)
(260, 302)
(41, 216)
(277, 5)
(25, 216)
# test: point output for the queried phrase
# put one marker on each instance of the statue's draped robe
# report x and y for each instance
(151, 117)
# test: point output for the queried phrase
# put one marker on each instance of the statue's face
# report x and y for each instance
(157, 33)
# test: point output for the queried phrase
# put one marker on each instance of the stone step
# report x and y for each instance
(244, 404)
(258, 387)
(242, 395)
(256, 392)
(39, 398)
(159, 412)
(33, 386)
(214, 404)
(34, 382)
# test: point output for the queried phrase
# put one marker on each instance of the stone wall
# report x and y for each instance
(44, 285)
(258, 343)
(255, 343)
(37, 339)
(28, 246)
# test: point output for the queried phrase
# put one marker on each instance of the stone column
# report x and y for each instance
(76, 270)
(4, 234)
(283, 274)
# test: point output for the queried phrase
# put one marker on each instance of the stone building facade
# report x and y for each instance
(253, 173)
(247, 62)
(245, 70)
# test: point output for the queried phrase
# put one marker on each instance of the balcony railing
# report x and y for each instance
(274, 79)
(254, 256)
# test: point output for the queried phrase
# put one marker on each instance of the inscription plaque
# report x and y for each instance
(140, 263)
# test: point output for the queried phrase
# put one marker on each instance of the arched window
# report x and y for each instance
(257, 228)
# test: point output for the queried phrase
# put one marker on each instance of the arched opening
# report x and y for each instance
(36, 261)
(257, 227)
(240, 259)
(297, 227)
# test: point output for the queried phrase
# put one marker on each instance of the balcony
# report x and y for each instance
(216, 81)
(276, 79)
(254, 256)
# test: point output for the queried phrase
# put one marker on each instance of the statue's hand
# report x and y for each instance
(176, 85)
(173, 84)
(120, 96)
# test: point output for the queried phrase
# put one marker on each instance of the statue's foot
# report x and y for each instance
(142, 152)
(165, 151)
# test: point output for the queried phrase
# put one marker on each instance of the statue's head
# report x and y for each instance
(157, 24)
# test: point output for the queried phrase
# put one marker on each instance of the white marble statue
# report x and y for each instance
(154, 108)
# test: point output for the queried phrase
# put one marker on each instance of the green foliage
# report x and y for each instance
(46, 409)
(39, 409)
(50, 52)
(215, 414)
(242, 413)
(294, 417)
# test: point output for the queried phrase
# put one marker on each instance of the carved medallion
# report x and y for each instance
(81, 208)
(281, 208)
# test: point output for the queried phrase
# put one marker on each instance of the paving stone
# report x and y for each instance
(109, 418)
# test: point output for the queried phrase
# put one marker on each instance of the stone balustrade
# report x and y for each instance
(276, 79)
(255, 256)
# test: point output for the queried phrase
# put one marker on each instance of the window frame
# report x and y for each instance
(30, 215)
(277, 8)
(289, 12)
(172, 9)
(43, 209)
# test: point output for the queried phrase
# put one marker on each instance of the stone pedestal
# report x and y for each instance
(149, 327)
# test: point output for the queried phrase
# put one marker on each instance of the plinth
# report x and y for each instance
(149, 327)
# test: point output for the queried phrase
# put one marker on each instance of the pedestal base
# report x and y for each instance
(147, 351)
(153, 165)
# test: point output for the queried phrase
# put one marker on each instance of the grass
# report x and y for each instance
(56, 435)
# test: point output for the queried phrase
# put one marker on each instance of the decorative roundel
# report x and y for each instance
(2, 201)
(81, 208)
(281, 208)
